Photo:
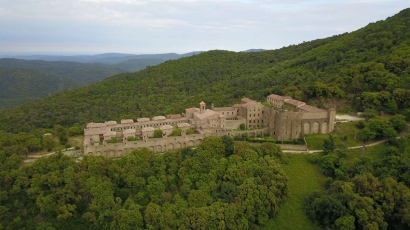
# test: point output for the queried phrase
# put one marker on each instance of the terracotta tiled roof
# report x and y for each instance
(276, 97)
(110, 133)
(192, 110)
(158, 118)
(183, 125)
(173, 116)
(311, 109)
(294, 102)
(252, 104)
(166, 127)
(94, 131)
(224, 109)
(110, 122)
(246, 100)
(129, 131)
(147, 129)
(127, 121)
(95, 125)
(207, 113)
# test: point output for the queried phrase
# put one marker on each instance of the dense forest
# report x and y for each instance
(214, 186)
(364, 192)
(221, 184)
(368, 69)
(22, 81)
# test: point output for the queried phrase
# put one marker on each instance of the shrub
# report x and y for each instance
(190, 131)
(158, 133)
(131, 138)
(176, 132)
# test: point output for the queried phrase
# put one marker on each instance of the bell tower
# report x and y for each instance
(202, 107)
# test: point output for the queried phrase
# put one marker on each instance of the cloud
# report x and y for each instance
(181, 25)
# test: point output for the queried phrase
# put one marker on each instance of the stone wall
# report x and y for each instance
(154, 144)
(316, 115)
(234, 124)
(293, 147)
(288, 126)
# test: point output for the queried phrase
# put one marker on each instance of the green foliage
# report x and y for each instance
(74, 131)
(368, 69)
(229, 145)
(242, 126)
(48, 143)
(200, 189)
(407, 114)
(190, 131)
(158, 133)
(245, 137)
(366, 134)
(304, 178)
(176, 132)
(61, 133)
(114, 140)
(398, 122)
(363, 202)
(131, 138)
(367, 192)
(329, 145)
(369, 114)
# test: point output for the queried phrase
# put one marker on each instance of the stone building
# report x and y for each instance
(285, 119)
(290, 119)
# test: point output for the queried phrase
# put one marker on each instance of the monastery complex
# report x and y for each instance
(284, 119)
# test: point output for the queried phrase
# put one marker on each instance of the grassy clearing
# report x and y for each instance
(374, 152)
(347, 130)
(315, 141)
(304, 178)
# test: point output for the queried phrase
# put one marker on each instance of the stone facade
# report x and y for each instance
(290, 119)
(284, 119)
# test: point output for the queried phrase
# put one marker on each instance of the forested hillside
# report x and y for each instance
(21, 85)
(369, 69)
(35, 79)
(22, 81)
(211, 187)
(83, 72)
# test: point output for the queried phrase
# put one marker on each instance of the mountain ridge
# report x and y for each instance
(368, 68)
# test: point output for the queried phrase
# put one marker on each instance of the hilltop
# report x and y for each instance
(367, 69)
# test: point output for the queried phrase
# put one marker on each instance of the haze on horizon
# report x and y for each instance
(181, 26)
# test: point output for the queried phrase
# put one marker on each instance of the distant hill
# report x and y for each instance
(368, 69)
(18, 86)
(82, 72)
(253, 50)
(108, 58)
(59, 75)
(133, 65)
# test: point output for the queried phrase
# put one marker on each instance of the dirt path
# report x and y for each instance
(319, 151)
(348, 118)
(33, 157)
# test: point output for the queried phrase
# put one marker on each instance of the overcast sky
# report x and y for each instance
(160, 26)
